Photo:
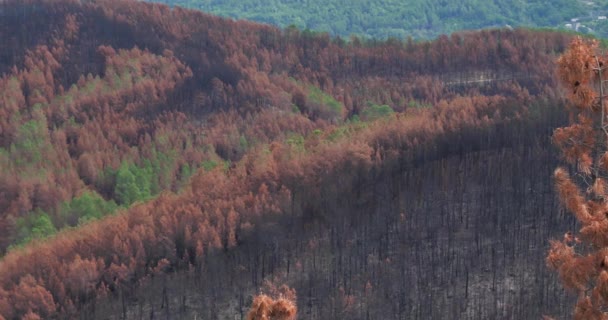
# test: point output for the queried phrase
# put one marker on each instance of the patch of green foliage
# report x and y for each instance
(160, 167)
(185, 173)
(35, 225)
(86, 207)
(134, 183)
(324, 105)
(209, 165)
(374, 112)
(346, 130)
(38, 224)
(296, 142)
(30, 142)
(418, 105)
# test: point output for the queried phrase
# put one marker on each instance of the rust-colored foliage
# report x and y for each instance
(176, 231)
(92, 88)
(264, 307)
(582, 263)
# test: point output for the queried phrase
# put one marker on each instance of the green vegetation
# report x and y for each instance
(34, 226)
(417, 105)
(374, 112)
(209, 165)
(86, 207)
(134, 183)
(323, 105)
(30, 143)
(296, 142)
(390, 18)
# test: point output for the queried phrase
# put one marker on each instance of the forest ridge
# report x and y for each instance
(418, 19)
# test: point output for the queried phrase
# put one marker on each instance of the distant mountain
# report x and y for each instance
(415, 18)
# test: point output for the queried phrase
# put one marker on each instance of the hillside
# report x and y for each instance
(149, 153)
(418, 19)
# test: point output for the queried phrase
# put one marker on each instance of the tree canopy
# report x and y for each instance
(418, 19)
(581, 257)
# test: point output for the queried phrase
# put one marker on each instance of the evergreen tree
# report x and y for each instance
(132, 184)
(581, 259)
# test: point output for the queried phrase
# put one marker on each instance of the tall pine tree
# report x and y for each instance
(581, 258)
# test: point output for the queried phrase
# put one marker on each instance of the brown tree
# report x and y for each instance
(264, 307)
(581, 259)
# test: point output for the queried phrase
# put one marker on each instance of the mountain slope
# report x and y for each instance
(389, 18)
(140, 144)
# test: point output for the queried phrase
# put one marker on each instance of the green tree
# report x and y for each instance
(374, 112)
(382, 19)
(88, 206)
(132, 184)
(34, 226)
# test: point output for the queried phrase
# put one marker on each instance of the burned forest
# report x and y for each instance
(164, 163)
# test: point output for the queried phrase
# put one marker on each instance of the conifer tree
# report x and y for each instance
(265, 307)
(581, 258)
